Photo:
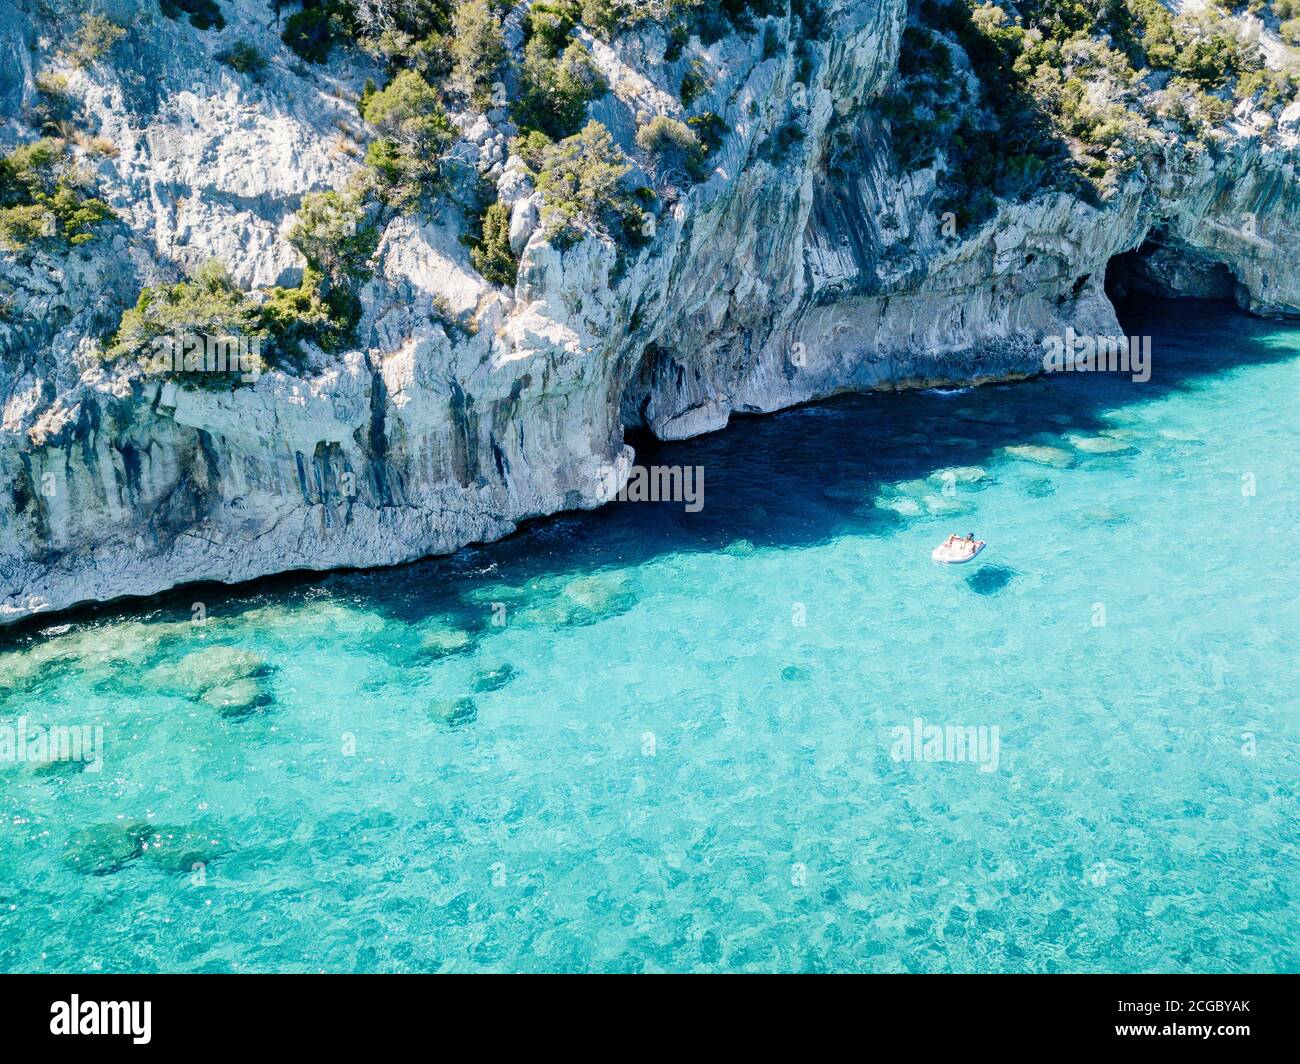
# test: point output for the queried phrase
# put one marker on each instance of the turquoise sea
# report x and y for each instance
(677, 753)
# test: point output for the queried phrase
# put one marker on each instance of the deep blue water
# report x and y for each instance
(678, 752)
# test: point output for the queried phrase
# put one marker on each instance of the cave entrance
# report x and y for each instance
(1168, 269)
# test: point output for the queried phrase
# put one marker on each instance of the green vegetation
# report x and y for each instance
(313, 31)
(491, 254)
(477, 51)
(93, 39)
(45, 200)
(243, 57)
(674, 146)
(710, 128)
(53, 113)
(331, 231)
(1062, 101)
(408, 36)
(334, 236)
(558, 78)
(414, 134)
(208, 304)
(691, 88)
(1269, 88)
(203, 14)
(581, 182)
(315, 311)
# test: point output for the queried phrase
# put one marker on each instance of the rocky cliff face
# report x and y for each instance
(465, 407)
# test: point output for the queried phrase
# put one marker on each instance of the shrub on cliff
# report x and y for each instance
(331, 232)
(1213, 60)
(557, 78)
(203, 14)
(312, 32)
(45, 198)
(208, 304)
(581, 182)
(315, 311)
(55, 112)
(211, 306)
(410, 35)
(674, 148)
(243, 57)
(93, 39)
(414, 135)
(549, 22)
(491, 254)
(477, 50)
(692, 87)
(1269, 88)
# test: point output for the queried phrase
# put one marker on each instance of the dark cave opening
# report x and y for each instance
(1167, 269)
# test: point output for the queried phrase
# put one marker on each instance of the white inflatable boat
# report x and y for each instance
(956, 554)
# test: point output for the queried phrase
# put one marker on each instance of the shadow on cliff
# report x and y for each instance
(792, 479)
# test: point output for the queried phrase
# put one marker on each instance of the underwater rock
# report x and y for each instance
(23, 670)
(580, 600)
(850, 491)
(210, 667)
(899, 504)
(176, 848)
(322, 616)
(946, 506)
(992, 416)
(1040, 454)
(958, 475)
(602, 594)
(742, 548)
(239, 698)
(990, 579)
(916, 498)
(455, 712)
(1040, 488)
(796, 673)
(100, 647)
(493, 679)
(1102, 515)
(102, 849)
(442, 640)
(1100, 445)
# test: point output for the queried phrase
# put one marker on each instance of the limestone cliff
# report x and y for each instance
(464, 407)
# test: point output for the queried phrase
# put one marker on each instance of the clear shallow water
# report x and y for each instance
(660, 770)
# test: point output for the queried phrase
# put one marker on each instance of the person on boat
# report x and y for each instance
(952, 538)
